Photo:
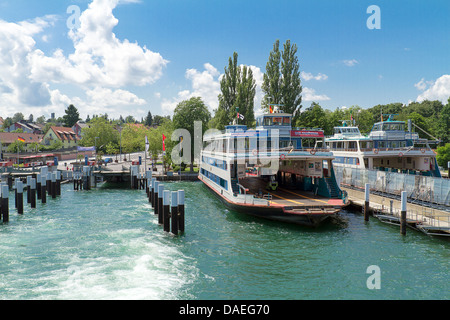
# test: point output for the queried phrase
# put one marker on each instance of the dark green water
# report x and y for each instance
(107, 244)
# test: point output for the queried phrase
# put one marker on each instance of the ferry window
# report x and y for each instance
(277, 121)
(363, 144)
(267, 121)
(376, 127)
(352, 144)
(287, 120)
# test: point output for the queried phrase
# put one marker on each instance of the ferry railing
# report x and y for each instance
(433, 190)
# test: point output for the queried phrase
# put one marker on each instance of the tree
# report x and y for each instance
(104, 131)
(238, 89)
(291, 89)
(281, 82)
(148, 119)
(443, 123)
(186, 113)
(313, 117)
(71, 117)
(271, 80)
(443, 155)
(40, 120)
(17, 117)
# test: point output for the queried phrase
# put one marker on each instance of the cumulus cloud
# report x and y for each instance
(101, 65)
(434, 90)
(309, 76)
(309, 94)
(350, 63)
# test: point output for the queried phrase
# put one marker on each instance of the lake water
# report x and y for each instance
(107, 244)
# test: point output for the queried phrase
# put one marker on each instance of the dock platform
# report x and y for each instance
(426, 219)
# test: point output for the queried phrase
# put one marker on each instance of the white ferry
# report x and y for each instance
(272, 171)
(388, 147)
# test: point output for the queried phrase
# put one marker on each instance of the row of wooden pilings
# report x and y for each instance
(168, 205)
(366, 207)
(37, 186)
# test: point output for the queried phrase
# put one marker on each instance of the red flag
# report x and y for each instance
(164, 144)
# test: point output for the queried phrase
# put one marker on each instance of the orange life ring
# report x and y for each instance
(375, 150)
(422, 150)
(400, 154)
(313, 151)
(282, 156)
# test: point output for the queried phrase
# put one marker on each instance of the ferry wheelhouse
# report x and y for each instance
(272, 171)
(388, 147)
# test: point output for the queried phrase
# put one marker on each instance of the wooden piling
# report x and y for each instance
(54, 185)
(38, 186)
(152, 195)
(181, 211)
(58, 183)
(160, 203)
(166, 211)
(403, 213)
(33, 192)
(155, 197)
(44, 189)
(19, 196)
(28, 189)
(5, 203)
(49, 184)
(174, 212)
(366, 202)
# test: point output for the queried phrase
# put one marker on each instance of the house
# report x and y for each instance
(6, 138)
(77, 127)
(66, 135)
(27, 127)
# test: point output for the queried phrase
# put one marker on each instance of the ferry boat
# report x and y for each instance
(388, 147)
(273, 171)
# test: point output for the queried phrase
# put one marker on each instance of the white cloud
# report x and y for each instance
(101, 65)
(350, 63)
(309, 76)
(437, 90)
(310, 95)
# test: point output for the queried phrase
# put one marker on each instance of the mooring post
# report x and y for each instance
(174, 212)
(166, 211)
(49, 184)
(5, 203)
(15, 191)
(366, 202)
(28, 189)
(403, 213)
(19, 196)
(160, 203)
(38, 186)
(33, 192)
(152, 192)
(54, 185)
(155, 197)
(181, 210)
(44, 189)
(58, 182)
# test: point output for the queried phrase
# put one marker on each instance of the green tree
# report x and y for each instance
(238, 89)
(443, 155)
(148, 119)
(16, 146)
(104, 131)
(71, 117)
(443, 123)
(281, 82)
(186, 113)
(18, 117)
(313, 117)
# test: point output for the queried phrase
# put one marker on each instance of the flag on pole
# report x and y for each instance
(164, 144)
(146, 144)
(241, 116)
(270, 109)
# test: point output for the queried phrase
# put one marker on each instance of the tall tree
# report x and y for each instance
(71, 117)
(291, 89)
(272, 78)
(281, 82)
(148, 119)
(238, 89)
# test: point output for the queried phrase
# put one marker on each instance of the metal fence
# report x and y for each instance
(420, 188)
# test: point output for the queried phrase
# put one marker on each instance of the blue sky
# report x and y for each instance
(130, 56)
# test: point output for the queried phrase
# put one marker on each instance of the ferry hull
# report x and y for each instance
(293, 215)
